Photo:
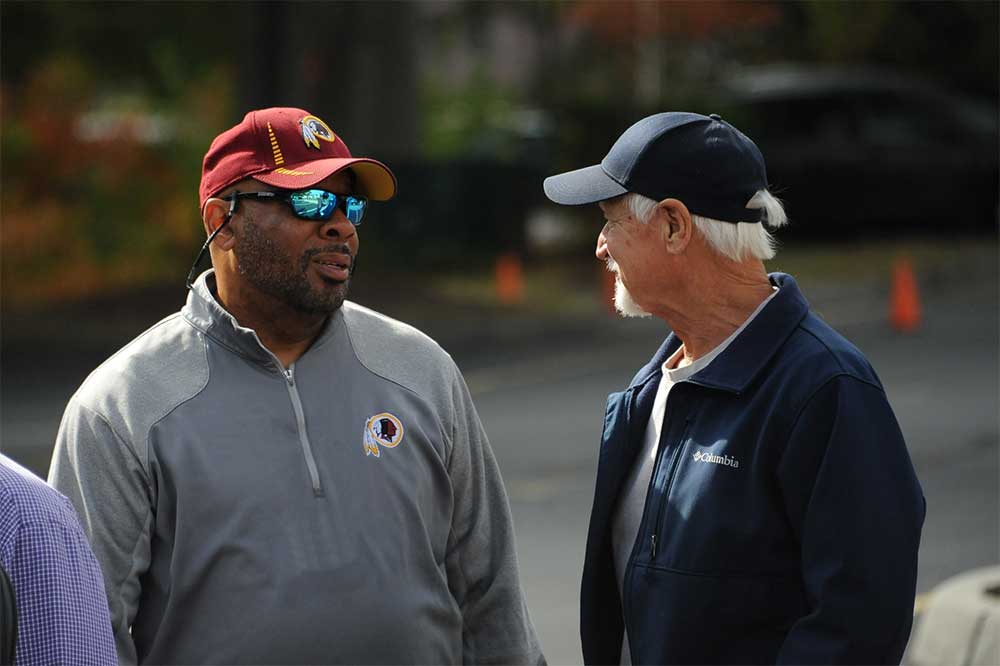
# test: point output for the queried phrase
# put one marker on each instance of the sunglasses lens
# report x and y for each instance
(314, 204)
(320, 205)
(354, 209)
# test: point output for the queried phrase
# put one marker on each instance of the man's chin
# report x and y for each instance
(624, 303)
(336, 299)
(328, 298)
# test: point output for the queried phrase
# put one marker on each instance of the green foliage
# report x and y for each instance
(471, 119)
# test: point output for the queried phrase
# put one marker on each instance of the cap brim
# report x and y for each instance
(583, 186)
(374, 178)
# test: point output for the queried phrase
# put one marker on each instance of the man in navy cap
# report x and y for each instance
(755, 501)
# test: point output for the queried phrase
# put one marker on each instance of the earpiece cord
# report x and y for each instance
(194, 267)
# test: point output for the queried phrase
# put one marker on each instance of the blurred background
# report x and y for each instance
(878, 121)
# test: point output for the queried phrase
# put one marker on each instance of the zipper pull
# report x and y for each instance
(652, 554)
(288, 377)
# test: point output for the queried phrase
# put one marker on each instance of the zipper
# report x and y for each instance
(300, 417)
(630, 568)
(671, 473)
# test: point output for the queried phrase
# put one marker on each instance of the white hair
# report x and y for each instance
(736, 241)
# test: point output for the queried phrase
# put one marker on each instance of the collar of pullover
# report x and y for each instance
(740, 363)
(203, 311)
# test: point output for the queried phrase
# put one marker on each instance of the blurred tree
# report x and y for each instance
(105, 120)
(108, 108)
(97, 193)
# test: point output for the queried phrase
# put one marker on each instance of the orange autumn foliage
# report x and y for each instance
(88, 212)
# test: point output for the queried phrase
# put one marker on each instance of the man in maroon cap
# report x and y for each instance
(277, 475)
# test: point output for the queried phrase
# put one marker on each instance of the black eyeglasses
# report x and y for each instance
(313, 204)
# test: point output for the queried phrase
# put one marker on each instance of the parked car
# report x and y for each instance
(869, 152)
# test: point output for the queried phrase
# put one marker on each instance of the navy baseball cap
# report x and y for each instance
(701, 160)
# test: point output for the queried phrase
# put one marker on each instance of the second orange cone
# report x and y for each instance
(509, 279)
(904, 298)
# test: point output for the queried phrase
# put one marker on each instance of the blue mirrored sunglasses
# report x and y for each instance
(314, 204)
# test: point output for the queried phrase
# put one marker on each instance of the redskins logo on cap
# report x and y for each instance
(314, 129)
(382, 430)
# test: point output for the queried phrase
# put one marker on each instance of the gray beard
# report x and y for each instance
(624, 303)
(274, 272)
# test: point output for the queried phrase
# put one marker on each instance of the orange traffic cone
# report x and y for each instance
(904, 301)
(509, 279)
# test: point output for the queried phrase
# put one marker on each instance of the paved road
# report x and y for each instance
(540, 387)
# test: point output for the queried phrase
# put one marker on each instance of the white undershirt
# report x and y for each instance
(628, 514)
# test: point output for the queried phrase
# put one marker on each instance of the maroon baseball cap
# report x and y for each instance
(287, 148)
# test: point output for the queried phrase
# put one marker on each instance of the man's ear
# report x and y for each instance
(676, 226)
(216, 213)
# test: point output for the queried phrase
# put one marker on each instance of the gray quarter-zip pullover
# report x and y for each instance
(345, 510)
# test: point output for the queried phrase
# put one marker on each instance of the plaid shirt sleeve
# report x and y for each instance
(63, 613)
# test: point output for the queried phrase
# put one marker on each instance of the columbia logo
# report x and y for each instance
(717, 460)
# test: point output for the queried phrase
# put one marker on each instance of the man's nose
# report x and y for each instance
(602, 247)
(337, 226)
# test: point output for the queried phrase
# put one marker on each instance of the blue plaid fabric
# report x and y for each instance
(62, 611)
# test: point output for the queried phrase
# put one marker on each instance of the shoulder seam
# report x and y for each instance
(361, 309)
(825, 346)
(366, 366)
(821, 386)
(143, 456)
(195, 394)
(848, 372)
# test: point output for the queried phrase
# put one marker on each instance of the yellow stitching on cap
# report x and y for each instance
(290, 172)
(275, 148)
